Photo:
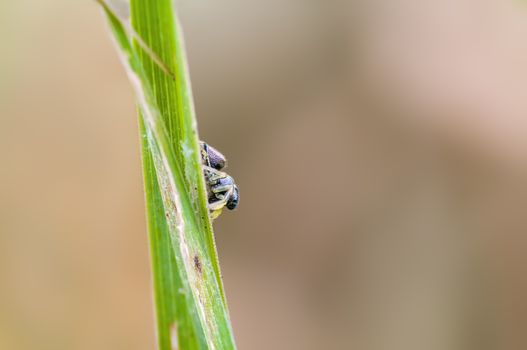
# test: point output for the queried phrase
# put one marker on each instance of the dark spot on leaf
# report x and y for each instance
(197, 264)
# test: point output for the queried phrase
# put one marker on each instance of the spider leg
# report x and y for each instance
(223, 184)
(221, 201)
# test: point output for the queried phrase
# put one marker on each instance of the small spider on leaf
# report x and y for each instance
(221, 189)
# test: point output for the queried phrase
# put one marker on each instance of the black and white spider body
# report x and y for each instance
(221, 188)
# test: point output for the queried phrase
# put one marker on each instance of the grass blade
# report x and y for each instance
(191, 311)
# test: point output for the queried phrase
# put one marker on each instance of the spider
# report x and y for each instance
(221, 189)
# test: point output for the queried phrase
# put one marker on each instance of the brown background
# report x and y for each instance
(379, 146)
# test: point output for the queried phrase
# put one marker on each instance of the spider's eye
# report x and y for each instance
(234, 200)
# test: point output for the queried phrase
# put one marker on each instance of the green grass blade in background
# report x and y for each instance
(191, 311)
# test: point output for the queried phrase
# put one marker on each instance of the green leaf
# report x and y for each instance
(191, 311)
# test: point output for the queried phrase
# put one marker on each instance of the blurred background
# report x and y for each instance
(380, 150)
